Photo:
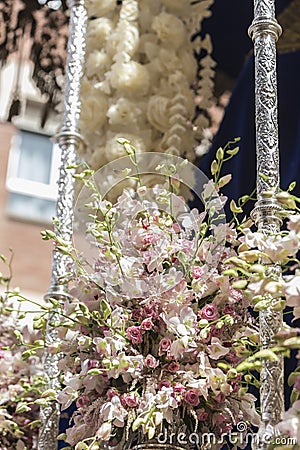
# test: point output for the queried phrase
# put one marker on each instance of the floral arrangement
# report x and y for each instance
(21, 381)
(140, 78)
(159, 335)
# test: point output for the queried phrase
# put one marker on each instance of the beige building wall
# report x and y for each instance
(32, 255)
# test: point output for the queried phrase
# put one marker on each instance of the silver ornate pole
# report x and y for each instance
(68, 140)
(264, 32)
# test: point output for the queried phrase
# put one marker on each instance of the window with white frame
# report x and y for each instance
(32, 175)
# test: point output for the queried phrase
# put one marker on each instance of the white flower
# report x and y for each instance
(216, 349)
(100, 8)
(98, 32)
(93, 111)
(248, 405)
(277, 247)
(148, 10)
(104, 432)
(113, 411)
(183, 324)
(75, 434)
(158, 112)
(292, 289)
(188, 64)
(177, 6)
(149, 46)
(129, 10)
(130, 77)
(123, 112)
(170, 30)
(125, 40)
(67, 396)
(294, 222)
(289, 426)
(97, 63)
(168, 60)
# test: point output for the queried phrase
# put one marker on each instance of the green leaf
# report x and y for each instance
(220, 154)
(291, 186)
(34, 424)
(262, 305)
(22, 407)
(234, 208)
(138, 422)
(94, 372)
(292, 378)
(266, 354)
(50, 394)
(214, 167)
(233, 151)
(41, 402)
(293, 342)
(105, 309)
(294, 396)
(62, 437)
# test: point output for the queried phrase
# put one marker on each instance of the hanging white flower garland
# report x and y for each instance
(140, 77)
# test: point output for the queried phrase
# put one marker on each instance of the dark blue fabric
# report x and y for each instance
(239, 121)
(64, 423)
(228, 28)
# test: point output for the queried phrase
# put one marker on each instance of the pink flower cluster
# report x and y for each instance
(161, 330)
(19, 380)
(157, 342)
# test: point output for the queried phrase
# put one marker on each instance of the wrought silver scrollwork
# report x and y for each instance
(68, 140)
(264, 32)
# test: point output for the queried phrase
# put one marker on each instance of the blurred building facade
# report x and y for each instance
(28, 180)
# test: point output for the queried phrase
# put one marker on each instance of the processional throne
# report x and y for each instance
(264, 32)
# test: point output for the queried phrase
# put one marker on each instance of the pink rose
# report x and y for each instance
(92, 363)
(134, 334)
(148, 311)
(147, 324)
(130, 400)
(197, 272)
(151, 362)
(218, 419)
(164, 345)
(235, 294)
(220, 397)
(235, 385)
(164, 383)
(83, 401)
(111, 393)
(178, 387)
(215, 332)
(192, 397)
(173, 366)
(136, 314)
(202, 414)
(232, 357)
(209, 312)
(229, 310)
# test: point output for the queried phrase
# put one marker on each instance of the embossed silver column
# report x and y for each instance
(68, 140)
(264, 32)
